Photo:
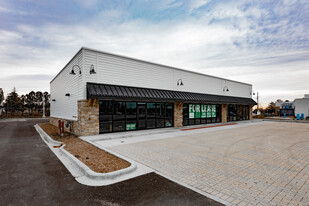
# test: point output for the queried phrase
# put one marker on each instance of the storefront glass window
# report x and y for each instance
(119, 110)
(238, 112)
(169, 115)
(141, 115)
(201, 113)
(106, 116)
(185, 114)
(131, 110)
(125, 116)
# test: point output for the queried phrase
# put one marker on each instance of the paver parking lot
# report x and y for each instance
(265, 164)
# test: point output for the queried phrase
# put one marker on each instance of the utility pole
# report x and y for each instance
(257, 100)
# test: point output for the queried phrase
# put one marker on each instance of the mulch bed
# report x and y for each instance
(95, 158)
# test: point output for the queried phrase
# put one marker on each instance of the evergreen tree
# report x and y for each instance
(1, 97)
(13, 102)
(30, 102)
(1, 100)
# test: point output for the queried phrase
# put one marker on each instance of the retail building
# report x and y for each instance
(99, 92)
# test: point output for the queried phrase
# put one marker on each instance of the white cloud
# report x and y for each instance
(195, 4)
(192, 44)
(5, 10)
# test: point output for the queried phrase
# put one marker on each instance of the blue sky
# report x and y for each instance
(265, 43)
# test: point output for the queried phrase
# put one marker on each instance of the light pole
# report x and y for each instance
(257, 100)
(43, 107)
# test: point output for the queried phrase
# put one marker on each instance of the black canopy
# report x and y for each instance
(115, 92)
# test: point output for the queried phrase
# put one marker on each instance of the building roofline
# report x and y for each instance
(301, 99)
(149, 62)
(67, 64)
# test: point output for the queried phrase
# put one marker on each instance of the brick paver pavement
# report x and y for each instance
(265, 164)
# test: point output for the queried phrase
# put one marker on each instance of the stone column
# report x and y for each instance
(250, 112)
(224, 113)
(88, 118)
(178, 114)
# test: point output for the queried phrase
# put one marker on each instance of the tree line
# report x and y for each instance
(30, 104)
(271, 108)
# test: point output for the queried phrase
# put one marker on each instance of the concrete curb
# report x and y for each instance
(92, 175)
(46, 137)
(286, 120)
(110, 175)
(88, 176)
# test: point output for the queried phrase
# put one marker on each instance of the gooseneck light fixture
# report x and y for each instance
(92, 71)
(73, 72)
(226, 89)
(179, 82)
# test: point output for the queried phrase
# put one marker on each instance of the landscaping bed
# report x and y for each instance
(95, 158)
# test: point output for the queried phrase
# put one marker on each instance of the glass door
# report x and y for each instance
(141, 115)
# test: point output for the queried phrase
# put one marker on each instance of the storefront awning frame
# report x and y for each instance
(117, 92)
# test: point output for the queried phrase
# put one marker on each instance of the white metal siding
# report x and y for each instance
(66, 107)
(113, 69)
(302, 106)
(129, 72)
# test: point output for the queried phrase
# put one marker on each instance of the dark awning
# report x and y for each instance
(114, 92)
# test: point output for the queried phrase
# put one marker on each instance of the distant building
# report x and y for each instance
(302, 106)
(286, 108)
(278, 103)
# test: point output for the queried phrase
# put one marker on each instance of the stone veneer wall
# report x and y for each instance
(178, 114)
(224, 113)
(250, 112)
(88, 120)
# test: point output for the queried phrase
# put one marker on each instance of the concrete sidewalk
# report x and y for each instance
(122, 138)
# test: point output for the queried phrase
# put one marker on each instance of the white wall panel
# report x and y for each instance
(117, 70)
(66, 107)
(302, 106)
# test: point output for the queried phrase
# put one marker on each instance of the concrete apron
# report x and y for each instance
(121, 138)
(83, 174)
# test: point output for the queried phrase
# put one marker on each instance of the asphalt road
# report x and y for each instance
(30, 174)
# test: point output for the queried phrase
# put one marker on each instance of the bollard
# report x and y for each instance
(62, 128)
(59, 127)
